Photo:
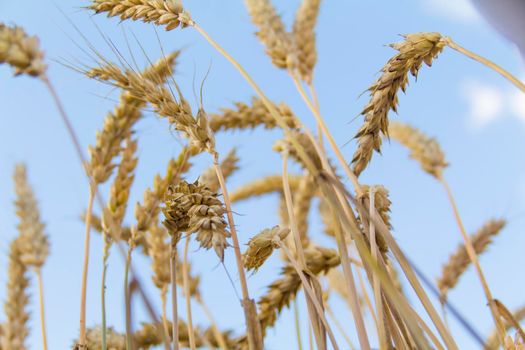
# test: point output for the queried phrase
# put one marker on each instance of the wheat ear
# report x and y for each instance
(459, 260)
(33, 242)
(271, 31)
(416, 49)
(15, 328)
(304, 38)
(249, 116)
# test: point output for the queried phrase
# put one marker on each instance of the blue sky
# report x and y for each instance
(477, 116)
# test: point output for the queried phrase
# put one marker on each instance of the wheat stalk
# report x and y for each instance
(229, 165)
(282, 291)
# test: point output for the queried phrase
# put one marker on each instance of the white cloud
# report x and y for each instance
(517, 104)
(461, 10)
(485, 103)
(488, 102)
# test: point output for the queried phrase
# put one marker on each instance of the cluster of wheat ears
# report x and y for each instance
(177, 207)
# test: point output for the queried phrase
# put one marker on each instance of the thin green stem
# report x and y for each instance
(174, 306)
(82, 340)
(297, 325)
(103, 303)
(186, 284)
(127, 300)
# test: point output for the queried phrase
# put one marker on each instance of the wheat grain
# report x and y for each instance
(416, 49)
(261, 246)
(304, 38)
(194, 208)
(425, 150)
(147, 212)
(459, 260)
(21, 51)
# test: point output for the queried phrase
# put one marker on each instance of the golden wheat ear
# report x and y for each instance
(261, 246)
(416, 49)
(424, 149)
(21, 51)
(459, 261)
(15, 327)
(271, 31)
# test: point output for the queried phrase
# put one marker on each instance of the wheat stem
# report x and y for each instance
(310, 292)
(320, 121)
(315, 98)
(38, 272)
(349, 278)
(250, 312)
(375, 281)
(127, 301)
(299, 246)
(186, 285)
(339, 326)
(219, 337)
(297, 325)
(82, 337)
(163, 297)
(474, 258)
(65, 119)
(103, 304)
(453, 45)
(174, 306)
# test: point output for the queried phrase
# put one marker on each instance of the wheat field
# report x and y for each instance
(255, 175)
